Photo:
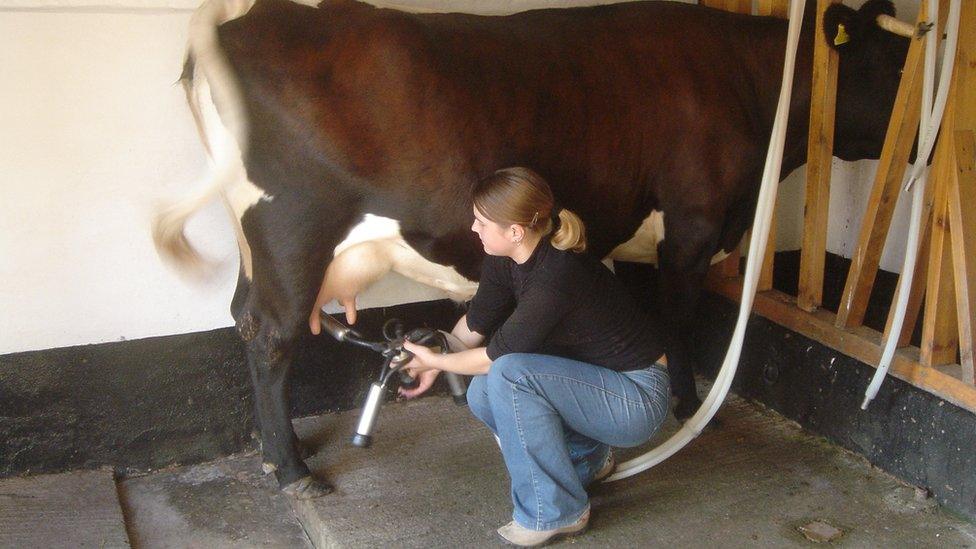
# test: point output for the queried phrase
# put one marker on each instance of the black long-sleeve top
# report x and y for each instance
(564, 304)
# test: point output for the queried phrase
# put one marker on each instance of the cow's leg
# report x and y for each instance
(269, 359)
(290, 242)
(247, 330)
(685, 255)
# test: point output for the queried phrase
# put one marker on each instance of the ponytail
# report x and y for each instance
(519, 195)
(570, 233)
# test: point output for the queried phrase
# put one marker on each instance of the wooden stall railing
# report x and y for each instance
(945, 273)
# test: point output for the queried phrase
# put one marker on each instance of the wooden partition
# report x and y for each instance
(946, 269)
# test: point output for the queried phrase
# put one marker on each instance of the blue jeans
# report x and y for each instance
(555, 420)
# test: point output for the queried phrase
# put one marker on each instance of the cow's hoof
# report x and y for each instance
(308, 488)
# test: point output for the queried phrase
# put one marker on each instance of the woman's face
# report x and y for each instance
(497, 239)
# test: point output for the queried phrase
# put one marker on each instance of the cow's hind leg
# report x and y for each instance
(269, 357)
(247, 330)
(685, 255)
(290, 242)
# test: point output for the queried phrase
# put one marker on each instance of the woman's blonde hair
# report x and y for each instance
(522, 197)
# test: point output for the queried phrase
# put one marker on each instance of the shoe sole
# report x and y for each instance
(557, 537)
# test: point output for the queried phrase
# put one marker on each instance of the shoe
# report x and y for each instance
(515, 534)
(608, 468)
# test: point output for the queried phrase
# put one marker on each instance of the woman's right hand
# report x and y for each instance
(425, 380)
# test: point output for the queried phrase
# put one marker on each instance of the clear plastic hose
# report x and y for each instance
(931, 120)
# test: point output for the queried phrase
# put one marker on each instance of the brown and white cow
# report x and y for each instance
(347, 139)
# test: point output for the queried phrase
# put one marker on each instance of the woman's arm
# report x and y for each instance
(469, 337)
(428, 365)
(472, 362)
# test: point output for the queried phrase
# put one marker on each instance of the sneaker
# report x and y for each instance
(608, 468)
(515, 534)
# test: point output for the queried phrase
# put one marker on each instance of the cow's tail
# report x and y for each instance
(206, 72)
(169, 223)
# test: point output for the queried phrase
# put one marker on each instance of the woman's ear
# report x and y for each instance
(516, 233)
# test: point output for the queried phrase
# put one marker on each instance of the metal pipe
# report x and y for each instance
(896, 26)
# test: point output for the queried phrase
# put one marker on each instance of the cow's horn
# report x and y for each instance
(895, 26)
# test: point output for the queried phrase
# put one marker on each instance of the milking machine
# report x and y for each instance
(395, 358)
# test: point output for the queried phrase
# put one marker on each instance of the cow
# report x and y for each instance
(347, 139)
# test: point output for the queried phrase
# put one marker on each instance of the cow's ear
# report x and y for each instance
(837, 21)
(843, 25)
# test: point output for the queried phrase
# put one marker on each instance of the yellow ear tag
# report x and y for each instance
(842, 37)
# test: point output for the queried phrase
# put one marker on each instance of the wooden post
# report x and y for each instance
(887, 188)
(738, 6)
(820, 145)
(939, 328)
(918, 282)
(962, 190)
(776, 8)
(922, 261)
(962, 218)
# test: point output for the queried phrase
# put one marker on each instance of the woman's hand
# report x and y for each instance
(423, 368)
(423, 358)
(424, 382)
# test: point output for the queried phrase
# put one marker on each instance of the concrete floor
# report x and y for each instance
(76, 509)
(434, 478)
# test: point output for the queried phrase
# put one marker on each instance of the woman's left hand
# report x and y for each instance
(423, 359)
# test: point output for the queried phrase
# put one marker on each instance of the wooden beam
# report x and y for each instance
(776, 8)
(962, 194)
(939, 327)
(962, 217)
(922, 261)
(886, 189)
(918, 283)
(737, 6)
(860, 343)
(820, 144)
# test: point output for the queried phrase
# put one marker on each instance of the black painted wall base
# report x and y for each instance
(148, 403)
(906, 431)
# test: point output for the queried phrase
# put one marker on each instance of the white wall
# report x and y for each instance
(850, 187)
(94, 133)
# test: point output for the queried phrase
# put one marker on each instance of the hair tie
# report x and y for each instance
(554, 215)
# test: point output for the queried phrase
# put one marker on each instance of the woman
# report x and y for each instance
(569, 369)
